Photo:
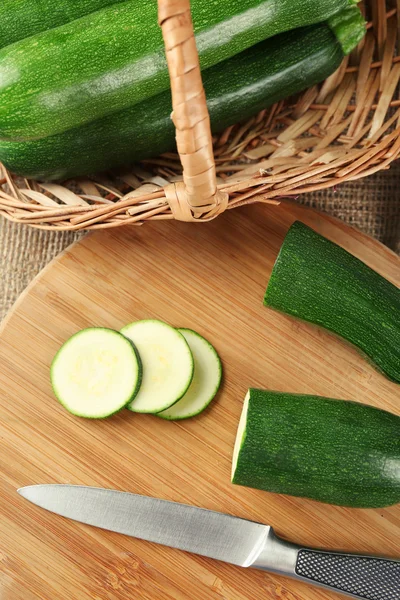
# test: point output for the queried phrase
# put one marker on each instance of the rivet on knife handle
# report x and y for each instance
(363, 577)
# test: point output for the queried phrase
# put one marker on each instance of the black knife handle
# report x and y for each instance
(363, 577)
(359, 576)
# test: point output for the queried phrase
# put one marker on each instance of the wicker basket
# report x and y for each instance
(342, 130)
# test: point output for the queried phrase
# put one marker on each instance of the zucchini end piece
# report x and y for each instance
(349, 27)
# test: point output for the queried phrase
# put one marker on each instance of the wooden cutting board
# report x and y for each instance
(210, 278)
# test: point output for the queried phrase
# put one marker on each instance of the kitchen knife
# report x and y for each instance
(219, 536)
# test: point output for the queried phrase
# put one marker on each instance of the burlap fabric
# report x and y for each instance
(372, 205)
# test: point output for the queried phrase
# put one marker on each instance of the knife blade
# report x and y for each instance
(219, 536)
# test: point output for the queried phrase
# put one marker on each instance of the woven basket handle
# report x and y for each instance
(197, 197)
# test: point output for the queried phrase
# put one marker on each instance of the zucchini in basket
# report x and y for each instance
(21, 18)
(235, 89)
(113, 58)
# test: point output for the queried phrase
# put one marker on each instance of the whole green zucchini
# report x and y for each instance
(332, 451)
(114, 58)
(20, 19)
(318, 281)
(235, 89)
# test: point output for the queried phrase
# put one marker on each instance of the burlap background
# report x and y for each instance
(372, 205)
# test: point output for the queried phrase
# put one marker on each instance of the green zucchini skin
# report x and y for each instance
(333, 451)
(318, 281)
(236, 89)
(114, 58)
(349, 27)
(21, 18)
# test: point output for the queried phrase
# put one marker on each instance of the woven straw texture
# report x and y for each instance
(372, 205)
(337, 132)
(343, 130)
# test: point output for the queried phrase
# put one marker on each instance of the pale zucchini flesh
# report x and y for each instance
(206, 379)
(167, 365)
(96, 373)
(241, 433)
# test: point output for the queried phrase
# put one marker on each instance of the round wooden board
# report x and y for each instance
(210, 278)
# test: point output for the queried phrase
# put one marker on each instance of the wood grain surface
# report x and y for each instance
(210, 278)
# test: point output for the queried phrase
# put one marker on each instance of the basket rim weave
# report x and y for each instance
(344, 129)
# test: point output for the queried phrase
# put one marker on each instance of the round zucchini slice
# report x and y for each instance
(96, 373)
(167, 365)
(206, 379)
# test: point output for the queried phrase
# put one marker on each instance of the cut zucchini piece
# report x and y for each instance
(206, 379)
(333, 451)
(167, 365)
(96, 373)
(318, 281)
